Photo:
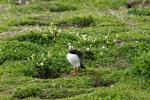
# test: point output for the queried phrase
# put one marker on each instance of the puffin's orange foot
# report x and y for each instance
(73, 72)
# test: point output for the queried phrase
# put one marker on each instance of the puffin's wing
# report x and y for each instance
(73, 59)
(79, 53)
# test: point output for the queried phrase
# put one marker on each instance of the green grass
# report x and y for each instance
(79, 22)
(61, 8)
(33, 48)
(140, 11)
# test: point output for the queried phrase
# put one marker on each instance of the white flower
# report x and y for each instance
(25, 28)
(101, 53)
(40, 29)
(87, 49)
(44, 59)
(84, 37)
(51, 24)
(55, 28)
(19, 1)
(41, 64)
(117, 35)
(114, 40)
(77, 33)
(103, 47)
(49, 54)
(112, 86)
(37, 64)
(136, 42)
(94, 41)
(59, 30)
(45, 35)
(32, 56)
(106, 37)
(52, 32)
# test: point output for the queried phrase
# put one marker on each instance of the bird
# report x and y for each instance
(74, 58)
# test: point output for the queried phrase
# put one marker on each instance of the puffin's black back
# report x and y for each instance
(76, 52)
(79, 54)
(128, 5)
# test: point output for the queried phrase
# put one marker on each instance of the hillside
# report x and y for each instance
(33, 48)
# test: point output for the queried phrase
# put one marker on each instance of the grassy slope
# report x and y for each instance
(35, 36)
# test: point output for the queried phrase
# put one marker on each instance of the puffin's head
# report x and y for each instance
(70, 47)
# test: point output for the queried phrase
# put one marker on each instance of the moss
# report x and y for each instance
(19, 51)
(63, 93)
(49, 67)
(140, 11)
(141, 65)
(27, 91)
(6, 97)
(62, 8)
(79, 22)
(116, 92)
(37, 37)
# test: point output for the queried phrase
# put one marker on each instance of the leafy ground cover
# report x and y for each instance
(33, 48)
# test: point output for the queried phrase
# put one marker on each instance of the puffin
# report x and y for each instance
(74, 58)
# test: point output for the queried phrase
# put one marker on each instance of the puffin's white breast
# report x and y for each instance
(73, 60)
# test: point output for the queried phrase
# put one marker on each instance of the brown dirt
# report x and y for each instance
(5, 35)
(3, 8)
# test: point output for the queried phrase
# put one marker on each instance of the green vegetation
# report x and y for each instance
(33, 48)
(79, 22)
(61, 8)
(27, 91)
(140, 11)
(141, 65)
